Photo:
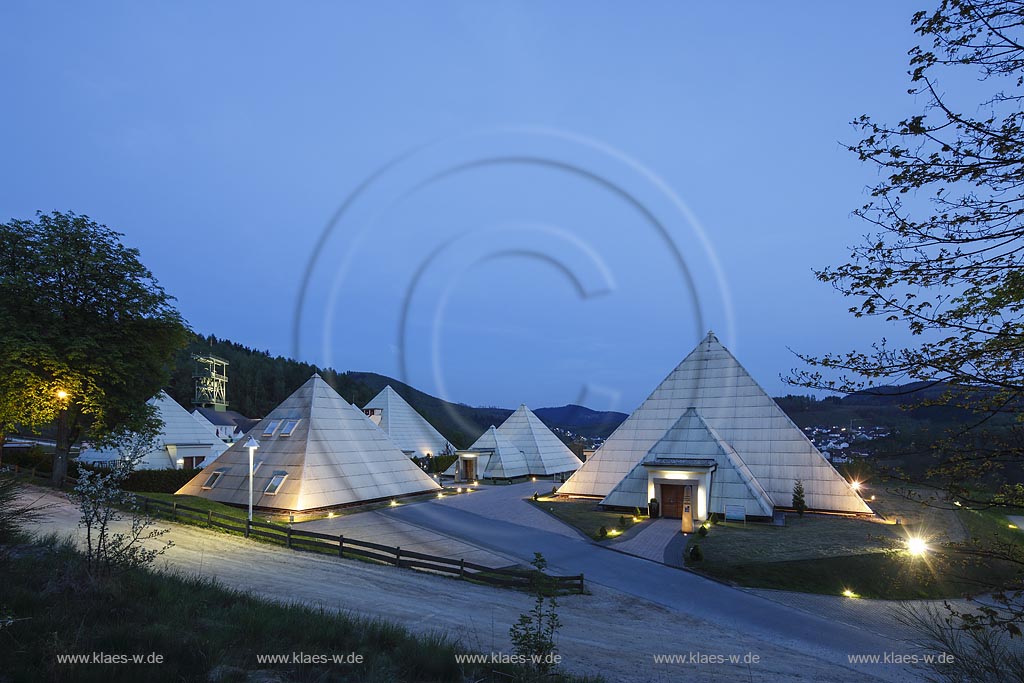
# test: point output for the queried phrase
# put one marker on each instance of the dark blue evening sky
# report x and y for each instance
(512, 253)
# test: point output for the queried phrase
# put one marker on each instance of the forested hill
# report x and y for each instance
(258, 381)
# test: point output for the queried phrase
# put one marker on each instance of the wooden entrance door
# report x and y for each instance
(469, 469)
(677, 502)
(672, 500)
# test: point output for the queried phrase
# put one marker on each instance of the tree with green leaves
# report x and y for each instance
(944, 260)
(87, 335)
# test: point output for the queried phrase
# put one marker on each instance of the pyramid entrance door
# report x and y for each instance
(469, 469)
(678, 503)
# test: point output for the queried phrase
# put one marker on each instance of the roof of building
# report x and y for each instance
(545, 453)
(227, 418)
(405, 426)
(316, 450)
(505, 461)
(742, 416)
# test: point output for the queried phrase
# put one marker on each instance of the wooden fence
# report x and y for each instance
(342, 546)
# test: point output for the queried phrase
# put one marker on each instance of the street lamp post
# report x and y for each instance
(252, 444)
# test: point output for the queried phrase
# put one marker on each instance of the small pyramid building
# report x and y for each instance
(711, 435)
(316, 451)
(492, 456)
(182, 443)
(545, 453)
(407, 428)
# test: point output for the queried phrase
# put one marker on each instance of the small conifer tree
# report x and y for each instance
(799, 504)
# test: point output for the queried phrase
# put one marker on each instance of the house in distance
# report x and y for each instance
(182, 443)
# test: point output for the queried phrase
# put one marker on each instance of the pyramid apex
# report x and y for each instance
(315, 375)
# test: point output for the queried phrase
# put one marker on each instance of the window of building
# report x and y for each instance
(271, 427)
(289, 427)
(275, 483)
(213, 479)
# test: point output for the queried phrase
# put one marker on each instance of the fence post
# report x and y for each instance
(288, 538)
(209, 518)
(462, 568)
(174, 510)
(341, 545)
(145, 505)
(581, 583)
(248, 523)
(398, 556)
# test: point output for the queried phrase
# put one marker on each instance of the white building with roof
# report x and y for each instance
(183, 443)
(492, 456)
(316, 451)
(407, 428)
(709, 437)
(545, 453)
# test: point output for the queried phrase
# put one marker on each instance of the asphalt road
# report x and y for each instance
(727, 608)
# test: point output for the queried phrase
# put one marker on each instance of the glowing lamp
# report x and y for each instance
(916, 545)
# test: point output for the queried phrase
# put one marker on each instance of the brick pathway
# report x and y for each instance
(650, 542)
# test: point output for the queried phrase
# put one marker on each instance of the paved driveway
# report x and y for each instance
(499, 519)
(388, 530)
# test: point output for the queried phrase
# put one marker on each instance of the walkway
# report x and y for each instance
(651, 541)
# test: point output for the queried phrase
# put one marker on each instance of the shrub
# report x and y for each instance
(554, 491)
(696, 554)
(15, 514)
(533, 636)
(799, 504)
(603, 532)
(32, 457)
(158, 481)
(622, 521)
(536, 496)
(702, 531)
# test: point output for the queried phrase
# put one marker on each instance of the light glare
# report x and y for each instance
(916, 545)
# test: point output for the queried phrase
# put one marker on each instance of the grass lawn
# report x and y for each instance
(830, 554)
(585, 516)
(203, 504)
(50, 607)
